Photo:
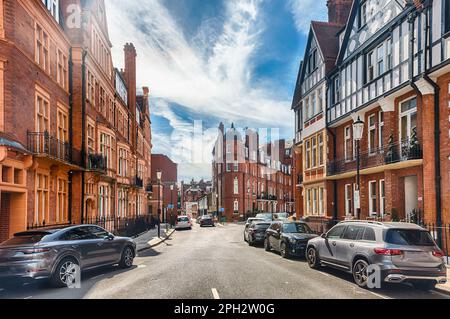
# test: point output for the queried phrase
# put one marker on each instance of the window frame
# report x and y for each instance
(348, 199)
(373, 185)
(372, 132)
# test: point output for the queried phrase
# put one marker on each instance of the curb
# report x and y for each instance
(158, 243)
(443, 290)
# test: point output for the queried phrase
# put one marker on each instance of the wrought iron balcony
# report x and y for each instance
(138, 182)
(45, 145)
(97, 163)
(406, 150)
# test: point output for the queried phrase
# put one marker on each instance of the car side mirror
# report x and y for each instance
(324, 236)
(110, 237)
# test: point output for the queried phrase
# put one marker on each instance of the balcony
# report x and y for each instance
(97, 163)
(299, 179)
(42, 144)
(138, 182)
(394, 153)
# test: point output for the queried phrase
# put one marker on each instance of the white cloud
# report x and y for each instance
(306, 10)
(211, 74)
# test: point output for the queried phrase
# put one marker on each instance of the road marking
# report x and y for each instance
(142, 266)
(215, 293)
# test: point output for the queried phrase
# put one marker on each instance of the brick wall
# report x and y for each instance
(4, 216)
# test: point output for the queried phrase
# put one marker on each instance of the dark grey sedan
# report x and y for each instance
(60, 254)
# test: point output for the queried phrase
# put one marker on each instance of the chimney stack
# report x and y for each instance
(338, 11)
(130, 79)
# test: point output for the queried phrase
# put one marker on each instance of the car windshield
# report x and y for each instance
(206, 217)
(261, 226)
(265, 216)
(183, 219)
(409, 237)
(292, 228)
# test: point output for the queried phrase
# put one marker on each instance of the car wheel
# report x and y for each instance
(283, 251)
(127, 258)
(313, 258)
(360, 272)
(425, 285)
(267, 245)
(66, 273)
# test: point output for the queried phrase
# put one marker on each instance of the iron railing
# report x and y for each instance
(97, 163)
(138, 182)
(43, 225)
(124, 226)
(406, 150)
(44, 144)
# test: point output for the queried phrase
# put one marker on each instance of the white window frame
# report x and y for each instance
(373, 185)
(236, 186)
(348, 199)
(380, 130)
(382, 198)
(372, 129)
(348, 137)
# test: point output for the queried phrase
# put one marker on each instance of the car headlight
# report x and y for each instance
(293, 241)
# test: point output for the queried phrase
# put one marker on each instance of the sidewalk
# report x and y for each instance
(150, 239)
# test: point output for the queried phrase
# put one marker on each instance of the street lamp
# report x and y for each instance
(358, 128)
(159, 177)
(171, 201)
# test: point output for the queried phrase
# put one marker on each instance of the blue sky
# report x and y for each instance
(207, 61)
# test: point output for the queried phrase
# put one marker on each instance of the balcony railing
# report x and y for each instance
(138, 182)
(44, 144)
(299, 179)
(407, 150)
(97, 163)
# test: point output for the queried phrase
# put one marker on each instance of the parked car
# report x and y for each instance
(289, 238)
(248, 224)
(403, 252)
(56, 254)
(281, 216)
(206, 220)
(266, 216)
(256, 232)
(183, 222)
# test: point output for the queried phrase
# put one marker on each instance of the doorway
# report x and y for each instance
(411, 197)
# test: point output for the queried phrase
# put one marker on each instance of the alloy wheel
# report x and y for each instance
(360, 273)
(68, 272)
(128, 257)
(312, 257)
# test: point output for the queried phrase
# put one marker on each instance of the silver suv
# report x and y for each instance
(401, 252)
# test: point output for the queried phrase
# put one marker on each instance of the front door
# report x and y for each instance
(411, 197)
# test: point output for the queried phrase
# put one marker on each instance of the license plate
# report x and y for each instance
(418, 255)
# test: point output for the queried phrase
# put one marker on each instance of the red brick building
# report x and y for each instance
(75, 139)
(249, 178)
(167, 194)
(401, 93)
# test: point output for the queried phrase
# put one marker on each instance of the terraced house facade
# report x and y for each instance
(75, 138)
(391, 71)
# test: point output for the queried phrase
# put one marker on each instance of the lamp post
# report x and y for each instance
(158, 177)
(171, 203)
(358, 128)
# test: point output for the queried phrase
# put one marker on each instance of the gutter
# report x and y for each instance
(335, 192)
(437, 146)
(83, 130)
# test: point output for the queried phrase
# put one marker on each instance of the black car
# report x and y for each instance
(288, 237)
(206, 220)
(256, 232)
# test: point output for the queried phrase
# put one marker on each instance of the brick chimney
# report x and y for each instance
(130, 79)
(338, 11)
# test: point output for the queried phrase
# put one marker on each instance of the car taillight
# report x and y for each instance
(388, 252)
(438, 253)
(35, 251)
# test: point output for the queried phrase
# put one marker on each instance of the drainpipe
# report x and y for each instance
(70, 133)
(335, 192)
(437, 148)
(83, 131)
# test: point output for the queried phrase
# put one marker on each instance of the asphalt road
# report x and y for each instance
(207, 263)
